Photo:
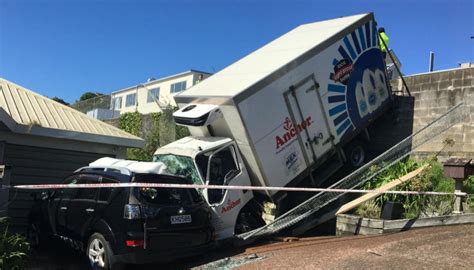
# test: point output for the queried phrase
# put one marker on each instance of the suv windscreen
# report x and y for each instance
(179, 166)
(165, 196)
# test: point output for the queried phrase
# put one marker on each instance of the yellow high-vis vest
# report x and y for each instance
(383, 37)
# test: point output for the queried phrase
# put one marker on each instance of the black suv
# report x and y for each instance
(123, 225)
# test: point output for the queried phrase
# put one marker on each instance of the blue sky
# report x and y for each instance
(64, 48)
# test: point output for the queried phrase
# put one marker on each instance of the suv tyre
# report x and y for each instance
(99, 253)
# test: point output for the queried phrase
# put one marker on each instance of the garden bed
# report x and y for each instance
(353, 225)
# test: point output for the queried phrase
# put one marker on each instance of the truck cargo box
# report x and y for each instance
(291, 102)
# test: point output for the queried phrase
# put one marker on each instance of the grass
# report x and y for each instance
(431, 179)
(13, 248)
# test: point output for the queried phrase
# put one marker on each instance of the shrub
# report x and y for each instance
(13, 248)
(162, 130)
(431, 179)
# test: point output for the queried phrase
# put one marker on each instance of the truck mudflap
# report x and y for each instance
(312, 206)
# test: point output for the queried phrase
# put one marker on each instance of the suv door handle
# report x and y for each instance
(63, 208)
(90, 210)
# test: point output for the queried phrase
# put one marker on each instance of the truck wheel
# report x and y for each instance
(99, 253)
(247, 222)
(355, 154)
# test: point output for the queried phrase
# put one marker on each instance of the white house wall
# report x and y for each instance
(145, 107)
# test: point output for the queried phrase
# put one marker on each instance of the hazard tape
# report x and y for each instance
(195, 186)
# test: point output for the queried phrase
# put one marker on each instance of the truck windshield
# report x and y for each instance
(180, 166)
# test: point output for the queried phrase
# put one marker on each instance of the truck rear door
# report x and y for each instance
(308, 119)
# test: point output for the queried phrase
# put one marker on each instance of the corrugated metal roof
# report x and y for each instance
(25, 111)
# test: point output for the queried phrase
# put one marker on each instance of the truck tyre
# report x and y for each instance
(355, 154)
(99, 253)
(248, 218)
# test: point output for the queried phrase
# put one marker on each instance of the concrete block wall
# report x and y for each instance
(434, 94)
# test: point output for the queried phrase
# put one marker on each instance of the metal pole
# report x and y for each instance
(430, 68)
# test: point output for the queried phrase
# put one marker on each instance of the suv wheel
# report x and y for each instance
(98, 252)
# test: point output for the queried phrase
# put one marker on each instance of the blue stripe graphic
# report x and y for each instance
(337, 109)
(362, 38)
(340, 118)
(344, 54)
(334, 61)
(349, 47)
(336, 88)
(349, 130)
(367, 34)
(356, 42)
(343, 127)
(374, 34)
(333, 99)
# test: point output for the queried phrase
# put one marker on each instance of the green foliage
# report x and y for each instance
(13, 248)
(431, 179)
(159, 130)
(131, 122)
(89, 95)
(60, 100)
(369, 209)
(469, 189)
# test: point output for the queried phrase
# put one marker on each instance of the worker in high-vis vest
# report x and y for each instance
(383, 41)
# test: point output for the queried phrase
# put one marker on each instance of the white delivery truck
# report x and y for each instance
(279, 116)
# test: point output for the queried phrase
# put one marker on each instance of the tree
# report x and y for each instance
(60, 100)
(89, 95)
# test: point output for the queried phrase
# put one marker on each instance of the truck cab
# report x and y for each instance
(211, 161)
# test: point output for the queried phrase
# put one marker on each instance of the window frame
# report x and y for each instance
(117, 105)
(149, 98)
(134, 100)
(182, 84)
(234, 155)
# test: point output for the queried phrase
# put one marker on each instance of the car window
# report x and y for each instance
(69, 193)
(170, 196)
(104, 193)
(87, 193)
(221, 163)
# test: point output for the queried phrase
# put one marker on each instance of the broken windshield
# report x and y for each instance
(180, 166)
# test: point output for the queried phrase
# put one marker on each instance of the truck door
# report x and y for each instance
(309, 119)
(223, 168)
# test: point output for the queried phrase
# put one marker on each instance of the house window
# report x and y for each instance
(117, 103)
(130, 100)
(153, 94)
(178, 87)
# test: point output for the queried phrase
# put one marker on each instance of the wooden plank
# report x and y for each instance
(344, 229)
(364, 222)
(351, 205)
(405, 224)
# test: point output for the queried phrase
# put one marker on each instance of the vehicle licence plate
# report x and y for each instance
(181, 219)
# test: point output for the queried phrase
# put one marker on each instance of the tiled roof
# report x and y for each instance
(25, 111)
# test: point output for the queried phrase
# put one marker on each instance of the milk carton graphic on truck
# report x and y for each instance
(289, 114)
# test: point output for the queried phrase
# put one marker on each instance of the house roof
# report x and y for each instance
(24, 111)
